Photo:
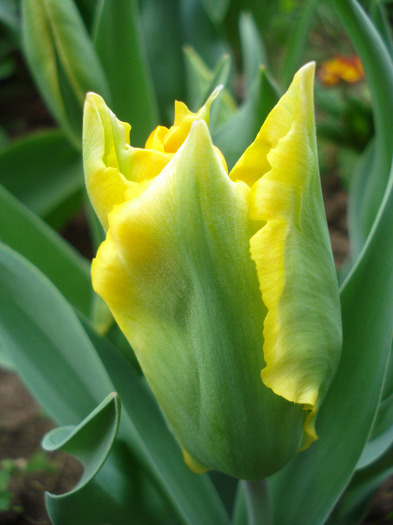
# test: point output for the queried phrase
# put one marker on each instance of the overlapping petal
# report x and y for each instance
(214, 278)
(302, 329)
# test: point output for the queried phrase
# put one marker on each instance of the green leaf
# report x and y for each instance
(363, 172)
(381, 437)
(381, 20)
(46, 342)
(193, 496)
(122, 492)
(57, 361)
(26, 233)
(117, 35)
(90, 441)
(112, 478)
(198, 30)
(347, 415)
(9, 15)
(240, 131)
(378, 67)
(62, 60)
(297, 42)
(162, 31)
(240, 514)
(354, 503)
(52, 185)
(253, 50)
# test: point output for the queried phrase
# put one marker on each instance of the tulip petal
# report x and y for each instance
(177, 274)
(112, 167)
(302, 329)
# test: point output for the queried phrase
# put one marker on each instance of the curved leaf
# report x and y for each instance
(348, 413)
(378, 67)
(112, 478)
(46, 343)
(62, 60)
(201, 82)
(52, 185)
(54, 356)
(90, 441)
(356, 499)
(26, 233)
(193, 496)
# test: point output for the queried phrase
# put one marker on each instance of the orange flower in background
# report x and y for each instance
(340, 68)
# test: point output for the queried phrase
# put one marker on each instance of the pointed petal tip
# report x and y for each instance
(93, 99)
(306, 76)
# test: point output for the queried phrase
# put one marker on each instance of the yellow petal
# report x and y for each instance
(113, 169)
(291, 250)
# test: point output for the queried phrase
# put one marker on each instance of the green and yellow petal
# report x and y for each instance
(302, 328)
(176, 272)
(215, 278)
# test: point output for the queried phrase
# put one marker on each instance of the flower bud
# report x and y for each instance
(224, 284)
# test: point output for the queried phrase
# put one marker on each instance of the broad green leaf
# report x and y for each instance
(380, 444)
(46, 343)
(162, 31)
(194, 497)
(253, 50)
(90, 441)
(62, 60)
(240, 131)
(378, 67)
(56, 359)
(348, 413)
(112, 476)
(122, 492)
(119, 44)
(45, 173)
(26, 233)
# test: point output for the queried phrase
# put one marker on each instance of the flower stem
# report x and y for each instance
(258, 502)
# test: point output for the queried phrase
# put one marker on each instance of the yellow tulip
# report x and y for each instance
(224, 284)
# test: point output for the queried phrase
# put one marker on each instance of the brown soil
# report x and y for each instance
(22, 426)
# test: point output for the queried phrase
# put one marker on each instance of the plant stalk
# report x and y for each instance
(258, 502)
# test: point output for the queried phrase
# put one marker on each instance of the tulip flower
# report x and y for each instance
(224, 284)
